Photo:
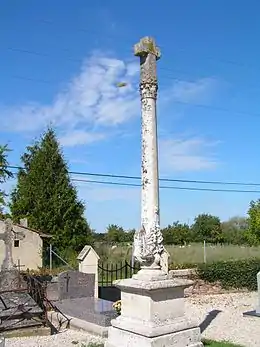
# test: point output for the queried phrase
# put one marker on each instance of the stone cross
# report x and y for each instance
(148, 244)
(67, 278)
(8, 237)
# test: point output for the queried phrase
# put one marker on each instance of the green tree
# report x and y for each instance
(253, 233)
(234, 230)
(207, 227)
(5, 174)
(115, 234)
(176, 234)
(46, 196)
(129, 235)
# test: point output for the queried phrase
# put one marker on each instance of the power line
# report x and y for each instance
(78, 60)
(209, 107)
(180, 49)
(160, 179)
(46, 55)
(123, 184)
(168, 187)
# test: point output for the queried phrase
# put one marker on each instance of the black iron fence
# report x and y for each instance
(108, 273)
(111, 272)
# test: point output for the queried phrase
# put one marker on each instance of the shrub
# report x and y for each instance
(177, 266)
(231, 274)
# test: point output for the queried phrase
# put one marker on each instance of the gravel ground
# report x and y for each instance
(228, 324)
(66, 338)
(220, 317)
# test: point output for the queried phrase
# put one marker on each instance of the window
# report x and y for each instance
(16, 243)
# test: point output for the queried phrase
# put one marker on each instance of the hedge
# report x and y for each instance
(177, 266)
(231, 274)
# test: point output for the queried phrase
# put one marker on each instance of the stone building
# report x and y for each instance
(27, 251)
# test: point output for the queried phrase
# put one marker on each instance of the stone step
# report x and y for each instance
(27, 332)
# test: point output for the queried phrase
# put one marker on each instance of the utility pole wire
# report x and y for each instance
(83, 173)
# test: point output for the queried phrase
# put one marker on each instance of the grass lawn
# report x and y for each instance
(189, 254)
(218, 344)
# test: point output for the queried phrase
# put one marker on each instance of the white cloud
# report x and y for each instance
(196, 91)
(80, 137)
(92, 98)
(190, 154)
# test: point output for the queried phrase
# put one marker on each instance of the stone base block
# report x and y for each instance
(153, 315)
(123, 338)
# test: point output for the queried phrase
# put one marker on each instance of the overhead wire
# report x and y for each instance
(167, 187)
(205, 106)
(160, 179)
(130, 41)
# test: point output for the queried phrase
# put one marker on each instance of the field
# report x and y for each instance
(191, 254)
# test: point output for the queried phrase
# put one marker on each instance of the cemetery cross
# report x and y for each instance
(8, 237)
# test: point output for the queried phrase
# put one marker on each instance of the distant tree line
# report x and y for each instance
(206, 227)
(45, 195)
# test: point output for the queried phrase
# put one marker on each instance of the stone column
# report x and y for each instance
(153, 313)
(148, 248)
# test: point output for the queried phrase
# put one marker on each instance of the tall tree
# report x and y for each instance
(207, 227)
(46, 196)
(5, 174)
(234, 230)
(115, 234)
(177, 234)
(253, 233)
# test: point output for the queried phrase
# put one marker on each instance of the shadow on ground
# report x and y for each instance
(209, 318)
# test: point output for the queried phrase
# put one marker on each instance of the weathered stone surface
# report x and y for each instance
(148, 242)
(8, 236)
(92, 310)
(14, 304)
(11, 280)
(19, 311)
(256, 312)
(124, 338)
(71, 285)
(153, 314)
(131, 284)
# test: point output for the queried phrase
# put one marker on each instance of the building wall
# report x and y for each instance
(29, 251)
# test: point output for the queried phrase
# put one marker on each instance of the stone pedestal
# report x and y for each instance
(153, 315)
(256, 312)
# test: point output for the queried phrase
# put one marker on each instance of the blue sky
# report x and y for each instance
(61, 61)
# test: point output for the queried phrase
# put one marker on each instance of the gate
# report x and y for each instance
(111, 272)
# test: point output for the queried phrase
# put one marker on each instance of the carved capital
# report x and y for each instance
(148, 90)
(147, 46)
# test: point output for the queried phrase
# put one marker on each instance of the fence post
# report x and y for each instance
(107, 276)
(111, 273)
(126, 268)
(102, 274)
(50, 258)
(204, 252)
